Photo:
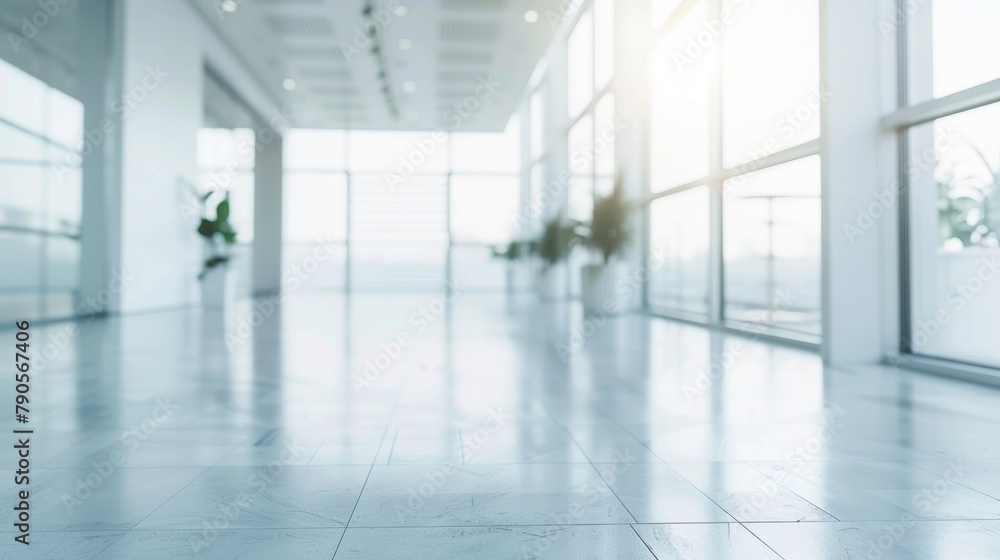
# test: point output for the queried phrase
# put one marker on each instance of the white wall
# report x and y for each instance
(165, 46)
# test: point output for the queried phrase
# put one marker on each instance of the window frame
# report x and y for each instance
(717, 175)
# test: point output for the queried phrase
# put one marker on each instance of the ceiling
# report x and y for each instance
(352, 68)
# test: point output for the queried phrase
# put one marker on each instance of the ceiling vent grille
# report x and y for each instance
(335, 90)
(470, 31)
(328, 53)
(324, 73)
(292, 27)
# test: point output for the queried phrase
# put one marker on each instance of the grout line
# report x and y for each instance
(643, 541)
(362, 491)
(174, 495)
(598, 472)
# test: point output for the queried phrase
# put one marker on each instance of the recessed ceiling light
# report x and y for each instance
(288, 84)
(229, 6)
(401, 11)
(531, 16)
(409, 86)
(405, 44)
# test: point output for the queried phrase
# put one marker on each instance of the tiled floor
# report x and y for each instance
(498, 431)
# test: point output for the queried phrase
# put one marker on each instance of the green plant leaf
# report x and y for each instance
(229, 237)
(222, 210)
(208, 228)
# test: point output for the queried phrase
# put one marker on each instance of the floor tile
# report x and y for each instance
(488, 543)
(459, 495)
(607, 443)
(167, 448)
(943, 502)
(71, 545)
(717, 541)
(747, 494)
(263, 497)
(287, 447)
(356, 446)
(655, 493)
(98, 499)
(914, 540)
(230, 544)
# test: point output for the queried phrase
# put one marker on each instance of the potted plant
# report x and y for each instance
(512, 253)
(608, 233)
(553, 247)
(217, 279)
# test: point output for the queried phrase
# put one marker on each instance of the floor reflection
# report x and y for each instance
(493, 426)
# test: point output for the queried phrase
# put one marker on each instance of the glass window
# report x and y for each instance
(679, 251)
(953, 178)
(581, 147)
(487, 152)
(539, 127)
(604, 42)
(540, 204)
(226, 165)
(23, 98)
(661, 10)
(679, 138)
(771, 246)
(223, 148)
(581, 64)
(405, 153)
(40, 202)
(581, 199)
(605, 133)
(305, 149)
(770, 96)
(66, 119)
(314, 207)
(482, 208)
(956, 49)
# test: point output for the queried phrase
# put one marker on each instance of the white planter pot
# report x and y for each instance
(552, 282)
(218, 287)
(597, 290)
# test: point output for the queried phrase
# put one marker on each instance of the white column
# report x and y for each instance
(851, 42)
(100, 82)
(267, 213)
